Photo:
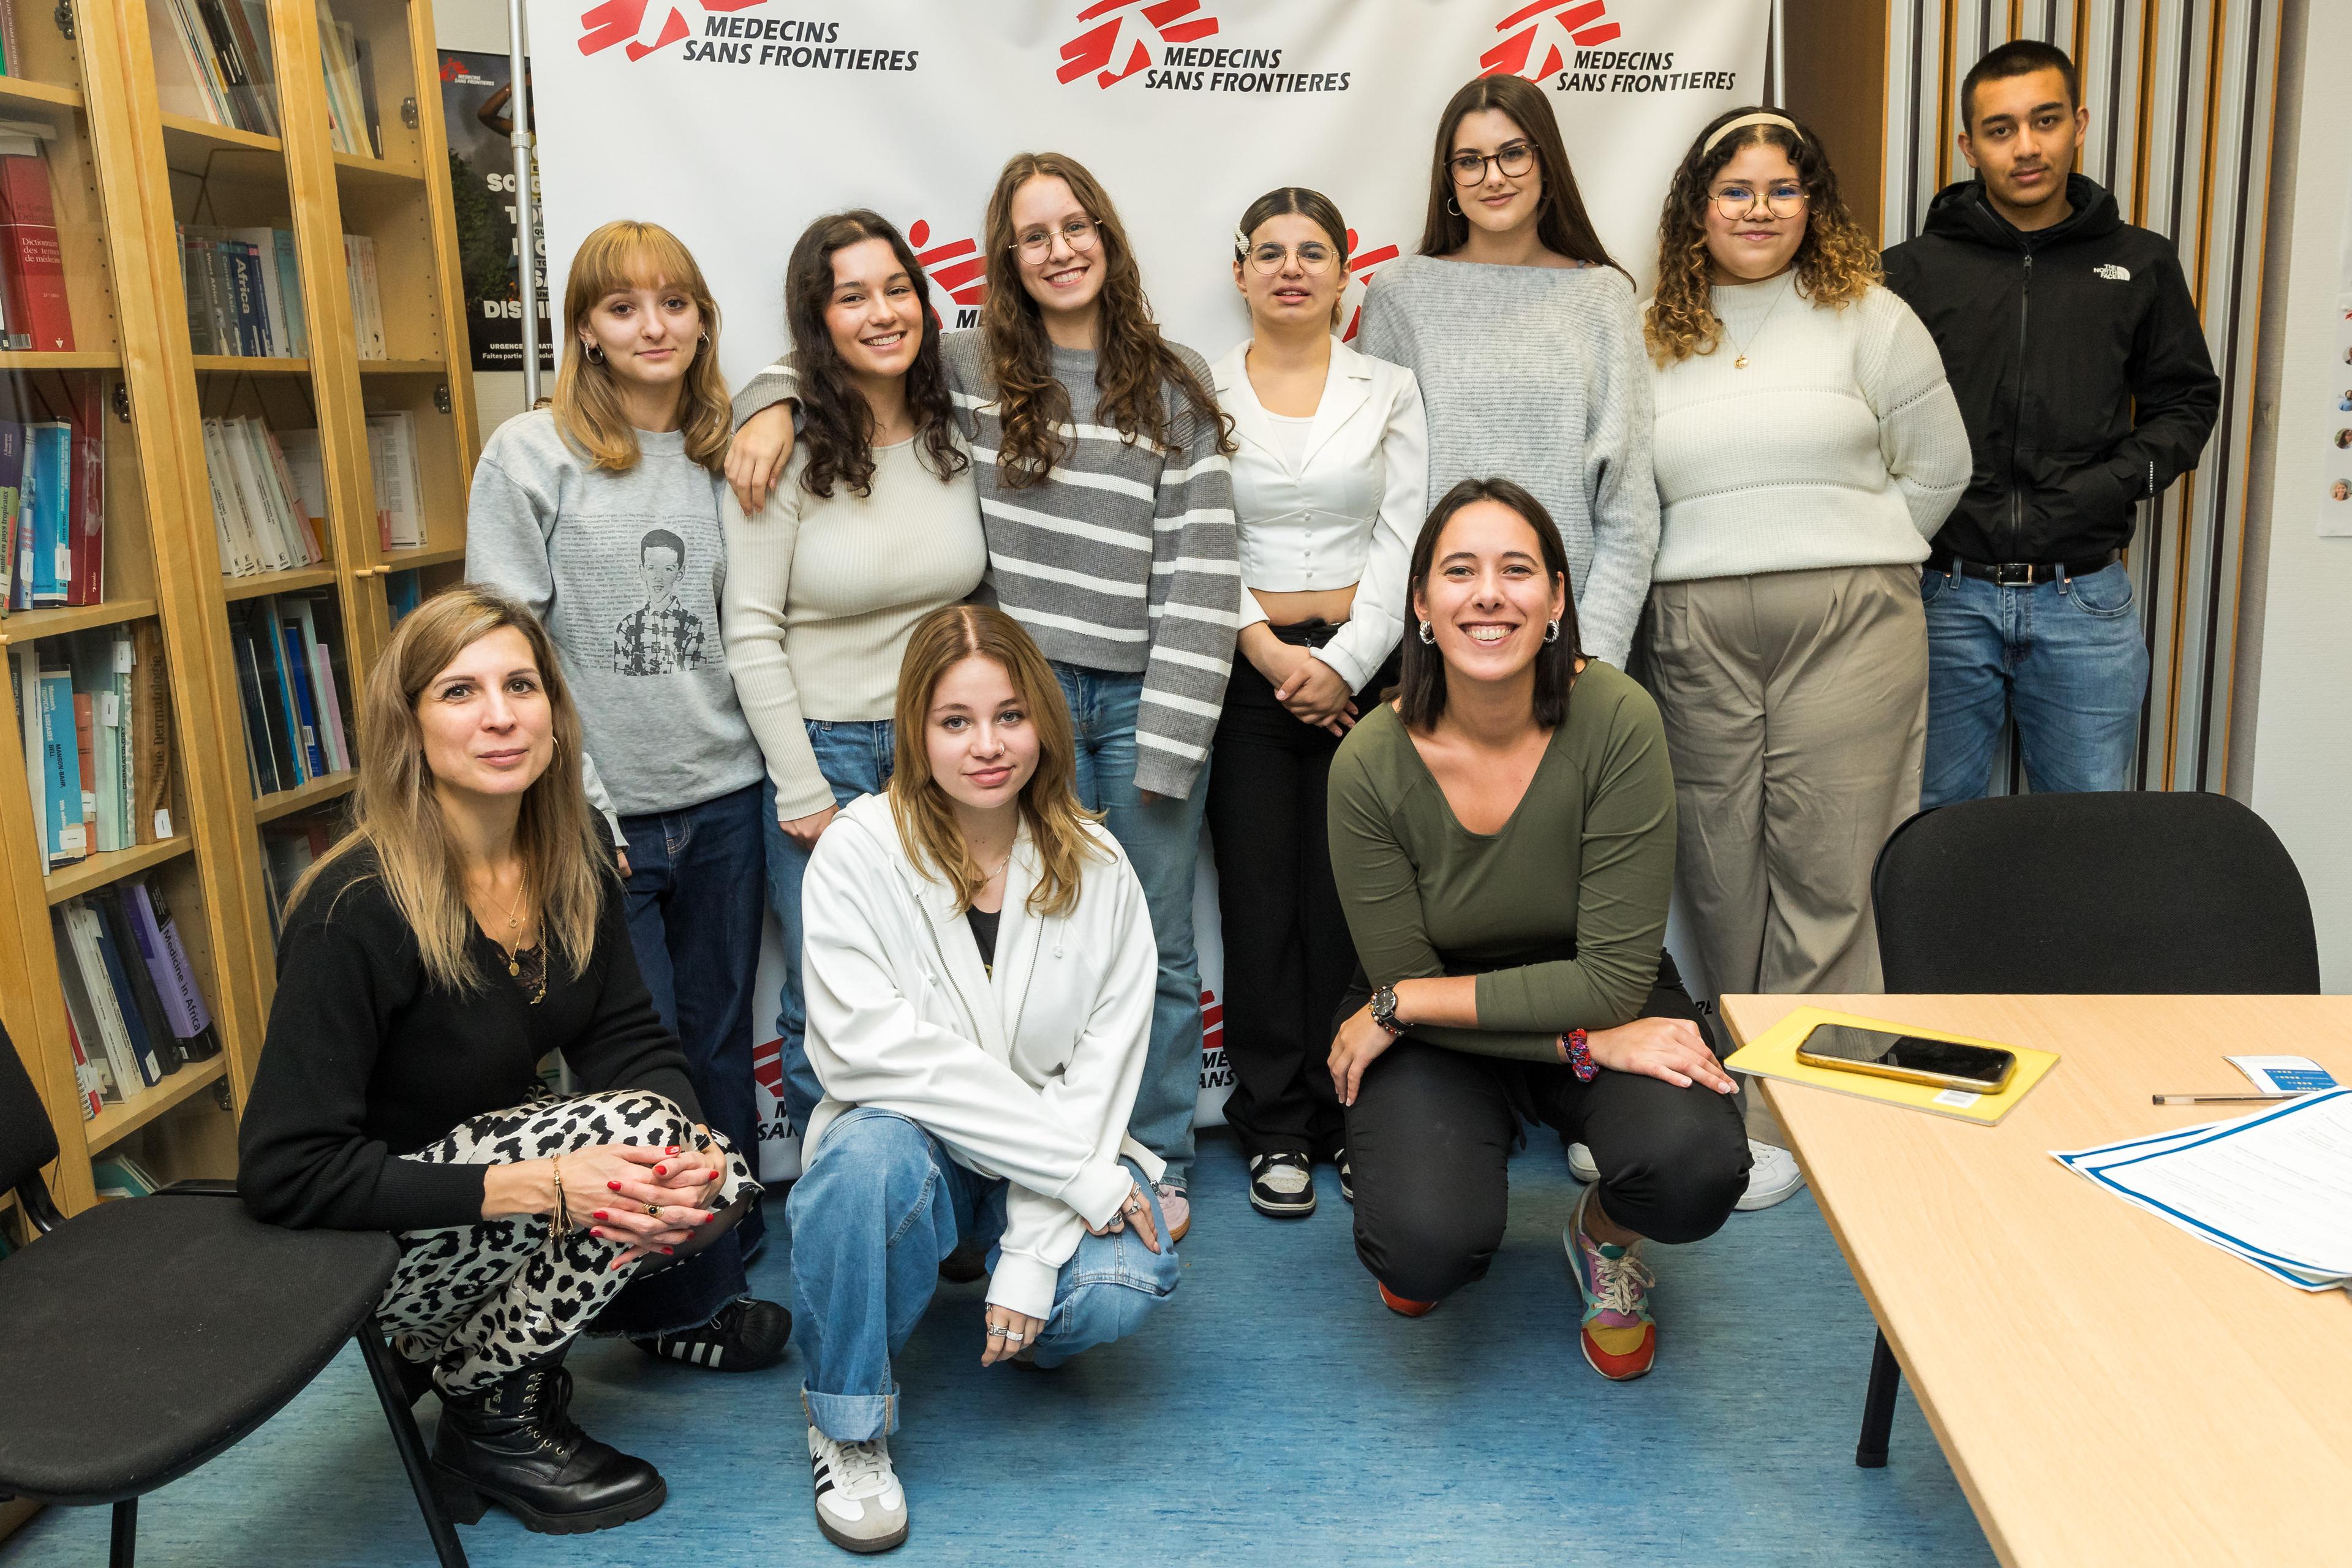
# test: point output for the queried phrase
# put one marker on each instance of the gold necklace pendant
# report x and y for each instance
(1740, 364)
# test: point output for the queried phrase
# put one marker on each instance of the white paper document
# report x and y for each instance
(2274, 1187)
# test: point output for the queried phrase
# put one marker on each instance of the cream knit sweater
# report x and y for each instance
(1839, 444)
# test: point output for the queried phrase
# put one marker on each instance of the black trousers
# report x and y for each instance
(1430, 1130)
(1287, 952)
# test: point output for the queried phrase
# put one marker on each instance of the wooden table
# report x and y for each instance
(2108, 1389)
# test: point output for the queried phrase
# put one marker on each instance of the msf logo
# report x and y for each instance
(1540, 40)
(1116, 49)
(645, 26)
(956, 269)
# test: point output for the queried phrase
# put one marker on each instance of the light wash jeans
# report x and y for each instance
(1162, 840)
(2066, 659)
(880, 1205)
(855, 758)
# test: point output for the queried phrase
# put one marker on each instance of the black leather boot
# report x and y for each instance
(515, 1444)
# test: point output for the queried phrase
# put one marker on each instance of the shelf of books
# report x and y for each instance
(235, 428)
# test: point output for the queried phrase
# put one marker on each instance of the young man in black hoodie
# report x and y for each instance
(2070, 339)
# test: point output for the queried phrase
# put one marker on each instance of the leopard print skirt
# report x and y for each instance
(482, 1301)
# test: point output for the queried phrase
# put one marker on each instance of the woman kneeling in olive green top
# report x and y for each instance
(1503, 833)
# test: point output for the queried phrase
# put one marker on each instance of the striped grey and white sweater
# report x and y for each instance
(1125, 559)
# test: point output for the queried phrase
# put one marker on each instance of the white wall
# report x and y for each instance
(2303, 744)
(480, 26)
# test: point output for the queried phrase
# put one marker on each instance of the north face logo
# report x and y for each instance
(1548, 32)
(2113, 273)
(644, 25)
(1118, 49)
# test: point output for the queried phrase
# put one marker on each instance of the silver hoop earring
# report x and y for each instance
(1552, 631)
(1451, 207)
(595, 354)
(1428, 633)
(705, 339)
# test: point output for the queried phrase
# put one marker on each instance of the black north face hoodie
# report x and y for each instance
(2079, 364)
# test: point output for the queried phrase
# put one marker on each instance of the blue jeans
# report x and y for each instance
(880, 1204)
(2065, 660)
(855, 758)
(1162, 840)
(694, 923)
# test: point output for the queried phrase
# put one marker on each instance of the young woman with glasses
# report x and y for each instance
(1331, 456)
(1522, 334)
(875, 525)
(1107, 505)
(1807, 448)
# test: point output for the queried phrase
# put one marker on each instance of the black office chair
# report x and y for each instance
(2085, 894)
(148, 1335)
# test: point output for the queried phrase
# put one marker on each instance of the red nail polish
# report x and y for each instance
(594, 1232)
(661, 1170)
(671, 1150)
(615, 1186)
(601, 1214)
(666, 1250)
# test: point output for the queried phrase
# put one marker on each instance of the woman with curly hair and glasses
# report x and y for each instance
(1107, 503)
(1806, 449)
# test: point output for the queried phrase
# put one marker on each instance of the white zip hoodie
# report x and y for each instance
(1029, 1074)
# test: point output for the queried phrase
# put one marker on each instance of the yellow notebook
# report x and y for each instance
(1773, 1054)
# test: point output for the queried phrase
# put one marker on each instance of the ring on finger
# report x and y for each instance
(654, 1209)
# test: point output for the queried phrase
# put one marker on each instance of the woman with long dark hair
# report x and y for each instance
(1521, 331)
(1331, 456)
(469, 925)
(1107, 504)
(875, 525)
(1504, 837)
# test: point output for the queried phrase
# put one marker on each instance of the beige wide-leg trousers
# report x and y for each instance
(1796, 709)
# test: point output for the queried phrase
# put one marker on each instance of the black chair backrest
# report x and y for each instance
(2107, 893)
(28, 1141)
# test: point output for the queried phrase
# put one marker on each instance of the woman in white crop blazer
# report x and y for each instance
(1330, 470)
(979, 971)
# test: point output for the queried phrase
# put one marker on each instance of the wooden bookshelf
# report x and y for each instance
(124, 175)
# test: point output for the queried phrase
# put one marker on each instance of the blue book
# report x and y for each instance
(289, 712)
(49, 503)
(252, 314)
(126, 1000)
(62, 832)
(298, 669)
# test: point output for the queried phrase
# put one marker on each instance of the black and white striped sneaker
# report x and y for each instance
(860, 1505)
(745, 1335)
(1282, 1185)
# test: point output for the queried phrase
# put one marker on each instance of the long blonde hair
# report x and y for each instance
(1049, 802)
(396, 813)
(625, 254)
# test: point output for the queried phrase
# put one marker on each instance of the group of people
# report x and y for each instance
(1546, 608)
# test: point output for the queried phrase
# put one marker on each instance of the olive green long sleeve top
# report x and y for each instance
(1561, 914)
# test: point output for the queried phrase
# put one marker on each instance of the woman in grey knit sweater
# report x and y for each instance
(1522, 334)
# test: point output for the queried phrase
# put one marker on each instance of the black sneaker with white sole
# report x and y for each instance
(1282, 1185)
(745, 1335)
(1347, 1172)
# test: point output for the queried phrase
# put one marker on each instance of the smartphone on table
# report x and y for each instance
(1911, 1058)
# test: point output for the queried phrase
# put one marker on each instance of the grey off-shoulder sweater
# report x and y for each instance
(1537, 374)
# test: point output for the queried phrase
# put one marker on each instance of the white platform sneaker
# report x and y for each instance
(859, 1504)
(1772, 1178)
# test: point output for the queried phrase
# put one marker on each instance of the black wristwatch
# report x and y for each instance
(1384, 1005)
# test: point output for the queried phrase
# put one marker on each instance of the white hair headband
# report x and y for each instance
(1729, 126)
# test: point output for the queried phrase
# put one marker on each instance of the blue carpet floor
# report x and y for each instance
(1273, 1413)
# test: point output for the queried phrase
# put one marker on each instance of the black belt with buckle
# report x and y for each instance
(2018, 573)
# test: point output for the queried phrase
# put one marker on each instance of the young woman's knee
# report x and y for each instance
(1683, 1180)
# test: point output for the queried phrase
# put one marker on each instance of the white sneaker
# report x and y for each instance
(1580, 1165)
(1773, 1178)
(859, 1504)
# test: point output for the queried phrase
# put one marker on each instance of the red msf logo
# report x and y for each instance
(644, 24)
(1360, 267)
(1116, 49)
(956, 269)
(768, 1067)
(1576, 25)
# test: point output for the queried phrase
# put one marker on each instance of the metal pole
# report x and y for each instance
(526, 201)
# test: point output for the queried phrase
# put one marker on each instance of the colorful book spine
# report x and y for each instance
(87, 500)
(126, 998)
(38, 312)
(191, 1018)
(48, 470)
(60, 773)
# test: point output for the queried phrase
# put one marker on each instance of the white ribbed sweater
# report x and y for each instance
(1840, 445)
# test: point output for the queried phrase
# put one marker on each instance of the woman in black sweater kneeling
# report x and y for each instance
(469, 925)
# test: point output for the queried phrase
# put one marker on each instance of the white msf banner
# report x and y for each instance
(733, 122)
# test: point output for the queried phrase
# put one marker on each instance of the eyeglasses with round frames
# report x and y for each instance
(1077, 231)
(1781, 198)
(1513, 158)
(1314, 257)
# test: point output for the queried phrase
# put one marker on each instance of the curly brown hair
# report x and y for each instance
(1837, 261)
(1148, 392)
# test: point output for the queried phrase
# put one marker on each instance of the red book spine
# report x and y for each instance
(87, 518)
(28, 243)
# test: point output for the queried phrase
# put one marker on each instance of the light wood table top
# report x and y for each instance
(2107, 1388)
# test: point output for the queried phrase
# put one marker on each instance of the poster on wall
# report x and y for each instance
(2335, 500)
(475, 98)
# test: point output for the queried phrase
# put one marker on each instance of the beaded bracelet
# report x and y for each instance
(1578, 1054)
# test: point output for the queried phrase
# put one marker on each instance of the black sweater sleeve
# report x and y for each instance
(625, 1044)
(2176, 396)
(346, 966)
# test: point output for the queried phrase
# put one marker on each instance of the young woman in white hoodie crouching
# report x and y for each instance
(979, 971)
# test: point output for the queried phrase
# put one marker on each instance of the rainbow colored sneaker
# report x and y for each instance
(1618, 1336)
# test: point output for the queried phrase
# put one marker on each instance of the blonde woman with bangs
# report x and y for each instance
(1806, 449)
(600, 513)
(980, 972)
(469, 925)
